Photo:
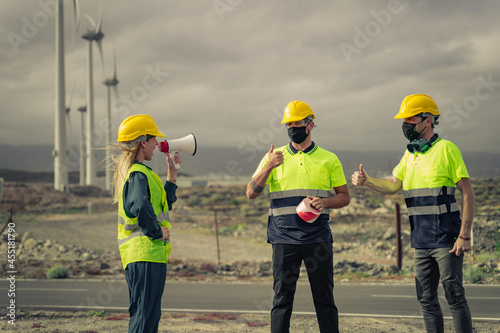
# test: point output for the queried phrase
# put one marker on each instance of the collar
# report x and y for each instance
(308, 150)
(137, 162)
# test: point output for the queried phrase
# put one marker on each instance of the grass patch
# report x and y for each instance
(57, 272)
(474, 274)
(94, 313)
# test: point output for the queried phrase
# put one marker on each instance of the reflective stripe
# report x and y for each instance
(290, 210)
(162, 216)
(280, 198)
(432, 210)
(300, 193)
(133, 234)
(127, 226)
(424, 192)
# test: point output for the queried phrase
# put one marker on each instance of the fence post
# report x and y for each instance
(472, 241)
(398, 236)
(217, 237)
(6, 223)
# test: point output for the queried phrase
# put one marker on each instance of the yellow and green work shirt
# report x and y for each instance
(312, 172)
(429, 189)
(142, 210)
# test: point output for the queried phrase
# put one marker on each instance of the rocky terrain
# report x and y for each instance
(364, 233)
(77, 231)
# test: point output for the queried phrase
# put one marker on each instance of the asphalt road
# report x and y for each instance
(352, 299)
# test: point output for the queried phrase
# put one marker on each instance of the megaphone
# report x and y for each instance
(186, 144)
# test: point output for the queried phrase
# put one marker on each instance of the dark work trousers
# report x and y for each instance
(318, 259)
(146, 282)
(431, 265)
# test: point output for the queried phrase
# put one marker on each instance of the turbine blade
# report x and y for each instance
(90, 19)
(76, 21)
(68, 105)
(68, 124)
(99, 44)
(99, 22)
(114, 62)
(115, 89)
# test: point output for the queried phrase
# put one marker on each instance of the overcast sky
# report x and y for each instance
(225, 69)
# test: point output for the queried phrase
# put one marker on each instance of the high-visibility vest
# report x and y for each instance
(133, 244)
(429, 190)
(313, 172)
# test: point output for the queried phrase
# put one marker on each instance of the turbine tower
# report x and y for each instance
(82, 109)
(95, 35)
(59, 153)
(113, 82)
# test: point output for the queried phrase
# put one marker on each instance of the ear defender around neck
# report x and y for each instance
(422, 145)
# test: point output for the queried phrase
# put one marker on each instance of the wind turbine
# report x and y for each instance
(68, 115)
(59, 152)
(82, 109)
(95, 35)
(113, 82)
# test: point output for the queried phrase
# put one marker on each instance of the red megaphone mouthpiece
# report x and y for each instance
(163, 146)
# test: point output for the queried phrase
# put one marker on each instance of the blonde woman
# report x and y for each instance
(143, 226)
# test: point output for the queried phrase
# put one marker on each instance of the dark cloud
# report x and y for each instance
(226, 74)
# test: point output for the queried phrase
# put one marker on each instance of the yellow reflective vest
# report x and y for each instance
(312, 172)
(133, 244)
(429, 190)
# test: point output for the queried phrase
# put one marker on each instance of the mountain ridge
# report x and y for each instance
(229, 161)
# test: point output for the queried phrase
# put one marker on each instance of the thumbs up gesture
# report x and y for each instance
(275, 158)
(359, 177)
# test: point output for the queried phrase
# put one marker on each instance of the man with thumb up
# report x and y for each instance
(293, 172)
(429, 173)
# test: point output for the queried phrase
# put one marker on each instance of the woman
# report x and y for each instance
(143, 226)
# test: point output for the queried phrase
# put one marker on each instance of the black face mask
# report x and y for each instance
(410, 132)
(297, 134)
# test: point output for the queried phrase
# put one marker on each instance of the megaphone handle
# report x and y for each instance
(176, 165)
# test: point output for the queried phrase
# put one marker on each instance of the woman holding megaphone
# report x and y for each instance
(143, 226)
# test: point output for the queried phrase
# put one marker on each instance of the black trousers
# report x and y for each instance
(146, 282)
(318, 259)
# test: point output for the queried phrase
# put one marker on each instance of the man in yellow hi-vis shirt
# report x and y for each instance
(429, 172)
(293, 172)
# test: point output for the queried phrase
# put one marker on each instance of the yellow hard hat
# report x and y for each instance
(296, 111)
(416, 104)
(134, 126)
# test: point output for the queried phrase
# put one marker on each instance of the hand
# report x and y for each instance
(172, 161)
(275, 158)
(359, 177)
(166, 234)
(317, 203)
(460, 246)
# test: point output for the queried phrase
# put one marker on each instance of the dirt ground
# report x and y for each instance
(189, 241)
(80, 322)
(89, 230)
(98, 231)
